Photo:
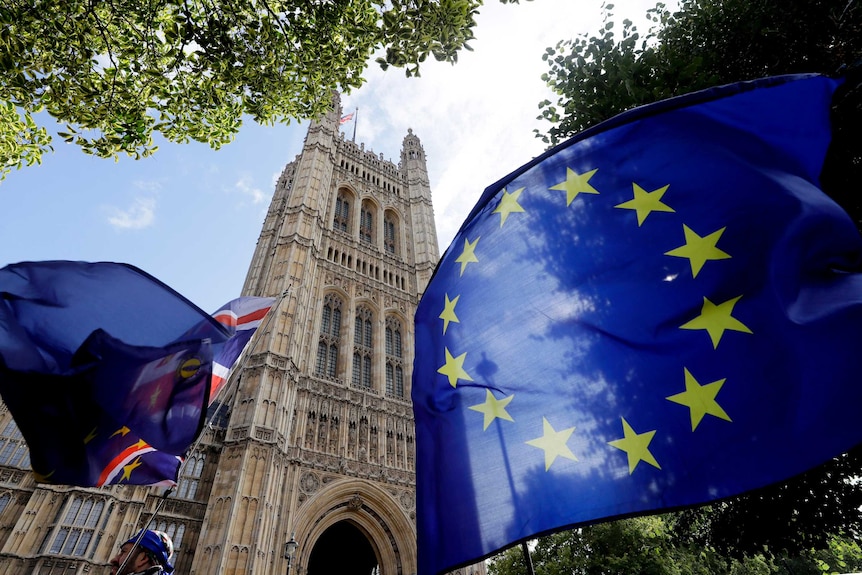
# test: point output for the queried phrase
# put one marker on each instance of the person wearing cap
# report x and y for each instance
(147, 553)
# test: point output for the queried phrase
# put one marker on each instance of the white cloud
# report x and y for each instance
(245, 186)
(141, 214)
(476, 119)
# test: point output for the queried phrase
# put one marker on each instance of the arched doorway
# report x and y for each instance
(342, 550)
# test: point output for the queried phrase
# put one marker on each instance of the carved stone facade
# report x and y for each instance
(315, 437)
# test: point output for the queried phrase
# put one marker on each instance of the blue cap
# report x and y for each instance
(158, 544)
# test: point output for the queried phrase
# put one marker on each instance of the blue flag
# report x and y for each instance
(105, 370)
(663, 311)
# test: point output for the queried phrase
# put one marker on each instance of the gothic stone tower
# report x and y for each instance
(318, 439)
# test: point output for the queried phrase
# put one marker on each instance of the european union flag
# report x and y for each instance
(664, 311)
(105, 369)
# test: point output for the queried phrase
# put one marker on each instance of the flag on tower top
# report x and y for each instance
(346, 118)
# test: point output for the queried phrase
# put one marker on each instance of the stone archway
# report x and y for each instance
(342, 550)
(375, 518)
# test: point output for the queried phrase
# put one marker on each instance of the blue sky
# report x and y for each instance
(190, 215)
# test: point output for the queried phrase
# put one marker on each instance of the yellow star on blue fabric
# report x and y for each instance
(716, 319)
(700, 399)
(636, 446)
(40, 478)
(508, 204)
(576, 184)
(454, 368)
(128, 469)
(698, 249)
(468, 255)
(644, 202)
(553, 443)
(493, 408)
(448, 313)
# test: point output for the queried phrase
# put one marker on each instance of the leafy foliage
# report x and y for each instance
(648, 546)
(791, 517)
(705, 43)
(116, 72)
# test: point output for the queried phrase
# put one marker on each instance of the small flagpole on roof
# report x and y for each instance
(355, 119)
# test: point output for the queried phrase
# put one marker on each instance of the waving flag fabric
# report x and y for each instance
(105, 369)
(664, 311)
(241, 317)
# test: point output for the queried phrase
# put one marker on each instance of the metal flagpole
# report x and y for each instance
(239, 365)
(355, 120)
(527, 558)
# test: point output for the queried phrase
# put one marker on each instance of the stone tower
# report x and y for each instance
(314, 437)
(319, 441)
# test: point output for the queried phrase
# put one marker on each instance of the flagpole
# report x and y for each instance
(527, 558)
(241, 360)
(355, 120)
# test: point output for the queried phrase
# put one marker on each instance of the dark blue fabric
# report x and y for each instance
(98, 359)
(669, 374)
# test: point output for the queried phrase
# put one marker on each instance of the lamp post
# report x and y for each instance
(289, 549)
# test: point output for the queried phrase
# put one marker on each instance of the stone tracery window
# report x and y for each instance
(394, 359)
(330, 329)
(75, 527)
(366, 224)
(363, 348)
(190, 476)
(341, 221)
(13, 448)
(390, 233)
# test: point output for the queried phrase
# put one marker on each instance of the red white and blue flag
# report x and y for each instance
(241, 317)
(107, 371)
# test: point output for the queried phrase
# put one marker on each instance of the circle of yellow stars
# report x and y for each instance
(716, 319)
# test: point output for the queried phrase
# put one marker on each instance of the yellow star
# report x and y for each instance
(128, 469)
(454, 368)
(716, 319)
(91, 436)
(468, 255)
(39, 478)
(122, 431)
(576, 184)
(636, 446)
(553, 443)
(646, 202)
(493, 408)
(700, 399)
(448, 313)
(699, 249)
(508, 204)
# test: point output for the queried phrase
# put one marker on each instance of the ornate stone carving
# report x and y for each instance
(355, 502)
(309, 482)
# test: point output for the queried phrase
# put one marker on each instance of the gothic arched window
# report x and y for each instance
(13, 449)
(363, 347)
(390, 233)
(330, 329)
(175, 531)
(366, 224)
(72, 535)
(394, 359)
(341, 221)
(190, 476)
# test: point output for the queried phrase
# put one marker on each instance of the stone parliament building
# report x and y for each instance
(314, 438)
